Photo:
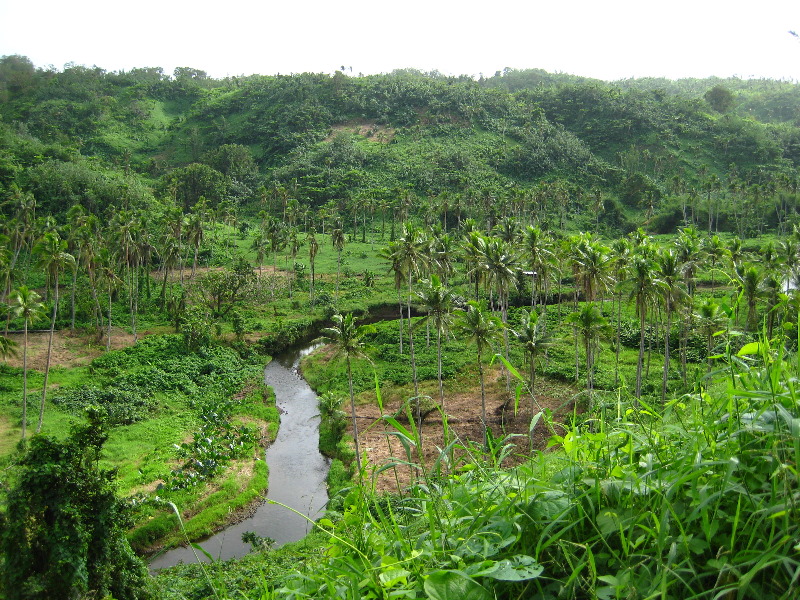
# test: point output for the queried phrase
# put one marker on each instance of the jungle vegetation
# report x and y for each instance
(633, 244)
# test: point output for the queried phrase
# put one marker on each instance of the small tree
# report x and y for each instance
(53, 258)
(535, 339)
(590, 326)
(337, 239)
(26, 306)
(347, 338)
(63, 534)
(439, 301)
(478, 325)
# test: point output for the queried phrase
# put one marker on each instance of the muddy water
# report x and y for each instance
(297, 471)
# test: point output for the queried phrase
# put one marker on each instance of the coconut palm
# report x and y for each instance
(673, 294)
(711, 319)
(347, 338)
(644, 284)
(439, 302)
(474, 248)
(313, 249)
(442, 255)
(716, 252)
(771, 288)
(594, 269)
(689, 250)
(621, 249)
(751, 279)
(338, 241)
(108, 273)
(535, 340)
(195, 232)
(391, 252)
(538, 250)
(590, 326)
(477, 325)
(26, 305)
(790, 255)
(501, 265)
(77, 218)
(259, 244)
(412, 254)
(52, 257)
(87, 240)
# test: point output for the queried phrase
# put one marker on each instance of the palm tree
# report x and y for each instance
(591, 326)
(710, 320)
(479, 326)
(673, 294)
(771, 287)
(77, 219)
(52, 258)
(108, 272)
(594, 264)
(790, 251)
(347, 338)
(412, 255)
(442, 251)
(622, 251)
(715, 251)
(439, 301)
(535, 340)
(5, 265)
(338, 241)
(689, 251)
(170, 258)
(644, 287)
(736, 253)
(259, 244)
(474, 250)
(538, 250)
(194, 230)
(499, 266)
(87, 241)
(26, 306)
(392, 254)
(313, 249)
(751, 279)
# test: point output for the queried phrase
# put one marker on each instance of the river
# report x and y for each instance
(297, 471)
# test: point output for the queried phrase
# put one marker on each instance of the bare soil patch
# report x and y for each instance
(370, 130)
(463, 408)
(70, 348)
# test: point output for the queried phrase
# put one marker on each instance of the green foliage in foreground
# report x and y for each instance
(696, 501)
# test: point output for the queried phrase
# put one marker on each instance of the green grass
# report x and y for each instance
(679, 504)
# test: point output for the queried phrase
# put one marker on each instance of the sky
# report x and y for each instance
(605, 39)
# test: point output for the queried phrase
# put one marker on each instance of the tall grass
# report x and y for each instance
(698, 501)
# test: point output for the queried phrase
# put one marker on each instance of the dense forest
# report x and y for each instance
(567, 307)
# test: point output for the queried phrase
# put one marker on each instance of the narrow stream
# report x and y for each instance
(297, 471)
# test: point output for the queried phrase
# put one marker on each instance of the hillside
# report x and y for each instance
(576, 152)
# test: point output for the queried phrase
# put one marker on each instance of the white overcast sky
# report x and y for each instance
(607, 39)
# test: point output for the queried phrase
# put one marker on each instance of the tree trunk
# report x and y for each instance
(483, 400)
(49, 354)
(353, 412)
(25, 380)
(640, 362)
(666, 357)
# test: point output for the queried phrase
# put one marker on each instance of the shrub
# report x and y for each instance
(63, 535)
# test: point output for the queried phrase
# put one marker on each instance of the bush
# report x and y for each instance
(63, 535)
(122, 407)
